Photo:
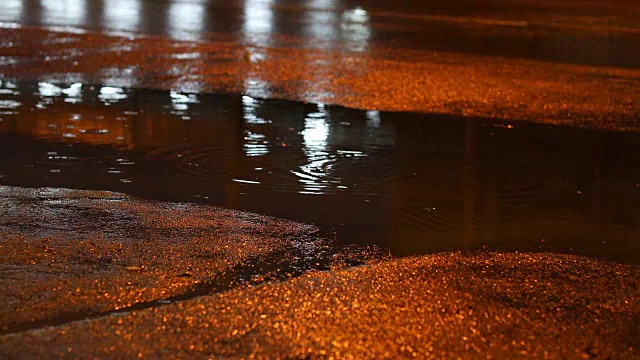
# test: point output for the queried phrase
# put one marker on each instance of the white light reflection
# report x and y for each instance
(72, 94)
(373, 118)
(246, 181)
(321, 20)
(8, 84)
(122, 15)
(249, 106)
(257, 88)
(255, 144)
(186, 20)
(257, 29)
(8, 91)
(110, 95)
(120, 77)
(9, 107)
(180, 103)
(178, 98)
(186, 56)
(316, 131)
(47, 93)
(49, 90)
(357, 15)
(258, 22)
(51, 192)
(64, 12)
(11, 10)
(354, 26)
(74, 90)
(324, 23)
(313, 174)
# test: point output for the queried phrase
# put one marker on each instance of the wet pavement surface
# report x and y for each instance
(471, 305)
(601, 33)
(69, 255)
(570, 62)
(135, 135)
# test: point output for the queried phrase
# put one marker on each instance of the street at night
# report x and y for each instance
(319, 179)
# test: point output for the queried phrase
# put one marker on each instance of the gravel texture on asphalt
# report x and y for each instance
(66, 254)
(381, 78)
(465, 305)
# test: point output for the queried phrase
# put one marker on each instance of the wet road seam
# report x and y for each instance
(252, 272)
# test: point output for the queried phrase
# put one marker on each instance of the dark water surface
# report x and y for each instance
(411, 183)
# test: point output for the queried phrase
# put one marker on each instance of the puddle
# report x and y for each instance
(411, 183)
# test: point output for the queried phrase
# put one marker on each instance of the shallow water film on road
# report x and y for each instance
(411, 183)
(319, 179)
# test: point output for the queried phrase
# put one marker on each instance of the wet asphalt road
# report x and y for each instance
(469, 305)
(69, 255)
(601, 33)
(558, 62)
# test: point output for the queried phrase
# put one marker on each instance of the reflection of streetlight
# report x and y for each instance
(180, 103)
(249, 107)
(73, 92)
(256, 87)
(122, 15)
(64, 12)
(258, 22)
(111, 95)
(186, 20)
(321, 20)
(316, 131)
(373, 118)
(256, 31)
(313, 173)
(255, 144)
(354, 25)
(12, 10)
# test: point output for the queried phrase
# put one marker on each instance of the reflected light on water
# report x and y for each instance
(110, 95)
(186, 19)
(255, 144)
(249, 107)
(72, 93)
(8, 107)
(314, 139)
(60, 113)
(49, 90)
(404, 180)
(123, 15)
(316, 131)
(373, 118)
(180, 103)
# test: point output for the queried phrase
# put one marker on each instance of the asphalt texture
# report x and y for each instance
(555, 62)
(71, 254)
(460, 305)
